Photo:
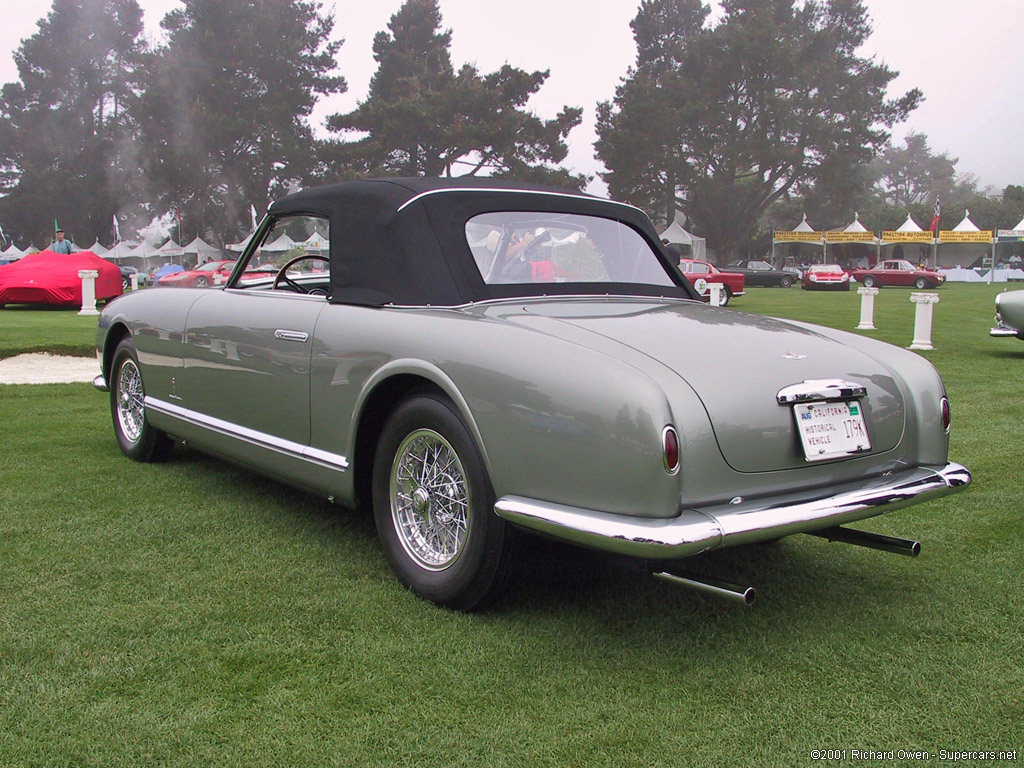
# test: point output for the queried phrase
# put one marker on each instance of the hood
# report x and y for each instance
(736, 363)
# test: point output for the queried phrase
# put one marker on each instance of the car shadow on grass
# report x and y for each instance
(797, 578)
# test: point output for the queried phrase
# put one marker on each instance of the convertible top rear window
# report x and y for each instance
(515, 247)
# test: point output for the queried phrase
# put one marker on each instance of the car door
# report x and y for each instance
(248, 348)
(247, 361)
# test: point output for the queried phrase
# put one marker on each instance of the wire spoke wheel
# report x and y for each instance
(430, 500)
(130, 400)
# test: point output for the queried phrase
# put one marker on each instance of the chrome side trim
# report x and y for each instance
(592, 198)
(100, 382)
(819, 389)
(251, 436)
(698, 530)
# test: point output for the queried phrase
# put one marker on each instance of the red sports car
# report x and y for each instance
(203, 276)
(52, 278)
(825, 277)
(898, 272)
(700, 274)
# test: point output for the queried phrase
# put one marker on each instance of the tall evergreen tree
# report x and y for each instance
(63, 125)
(745, 109)
(424, 118)
(913, 174)
(225, 115)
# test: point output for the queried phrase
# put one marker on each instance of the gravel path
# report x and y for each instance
(47, 369)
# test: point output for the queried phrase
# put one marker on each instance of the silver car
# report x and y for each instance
(474, 359)
(1009, 315)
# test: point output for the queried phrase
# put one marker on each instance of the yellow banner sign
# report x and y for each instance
(798, 237)
(894, 236)
(949, 236)
(849, 237)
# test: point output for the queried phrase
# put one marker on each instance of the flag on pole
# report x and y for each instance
(117, 229)
(2, 233)
(936, 215)
(252, 209)
(177, 215)
(55, 225)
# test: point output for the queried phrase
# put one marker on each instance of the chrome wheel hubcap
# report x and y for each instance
(430, 500)
(130, 397)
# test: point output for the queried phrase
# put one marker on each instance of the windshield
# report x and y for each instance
(514, 247)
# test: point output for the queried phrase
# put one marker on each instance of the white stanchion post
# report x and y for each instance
(88, 291)
(134, 281)
(715, 291)
(923, 319)
(867, 308)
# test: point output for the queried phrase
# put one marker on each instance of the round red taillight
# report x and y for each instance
(944, 405)
(670, 441)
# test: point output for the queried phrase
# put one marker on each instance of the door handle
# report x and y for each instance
(285, 335)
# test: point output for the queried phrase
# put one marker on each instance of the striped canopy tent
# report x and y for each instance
(908, 241)
(965, 245)
(677, 235)
(854, 246)
(802, 244)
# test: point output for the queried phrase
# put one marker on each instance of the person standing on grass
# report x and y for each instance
(60, 245)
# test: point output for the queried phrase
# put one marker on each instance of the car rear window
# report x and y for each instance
(515, 247)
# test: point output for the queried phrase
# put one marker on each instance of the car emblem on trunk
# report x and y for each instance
(793, 356)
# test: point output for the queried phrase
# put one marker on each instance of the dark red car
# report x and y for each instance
(898, 272)
(825, 277)
(203, 276)
(698, 271)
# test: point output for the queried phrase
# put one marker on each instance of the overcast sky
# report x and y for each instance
(966, 57)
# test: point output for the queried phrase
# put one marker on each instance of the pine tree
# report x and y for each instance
(424, 118)
(225, 115)
(726, 119)
(64, 131)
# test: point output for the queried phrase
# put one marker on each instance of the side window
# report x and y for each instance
(293, 256)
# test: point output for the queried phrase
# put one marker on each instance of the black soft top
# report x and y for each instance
(403, 241)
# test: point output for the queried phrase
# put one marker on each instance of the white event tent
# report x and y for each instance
(803, 234)
(852, 245)
(12, 253)
(907, 236)
(964, 244)
(677, 235)
(203, 250)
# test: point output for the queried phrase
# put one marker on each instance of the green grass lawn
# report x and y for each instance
(193, 613)
(59, 331)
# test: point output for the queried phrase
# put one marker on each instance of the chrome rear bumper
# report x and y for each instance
(1003, 331)
(698, 530)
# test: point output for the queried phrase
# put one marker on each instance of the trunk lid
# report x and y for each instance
(737, 363)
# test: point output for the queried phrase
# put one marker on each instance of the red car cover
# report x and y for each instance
(52, 278)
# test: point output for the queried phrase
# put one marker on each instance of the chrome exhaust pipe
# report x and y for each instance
(745, 595)
(870, 540)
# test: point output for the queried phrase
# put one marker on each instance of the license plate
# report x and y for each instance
(828, 430)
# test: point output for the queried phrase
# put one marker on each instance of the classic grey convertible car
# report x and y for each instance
(476, 358)
(1009, 315)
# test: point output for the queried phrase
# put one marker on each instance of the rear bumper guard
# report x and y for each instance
(698, 530)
